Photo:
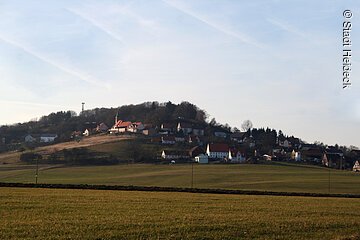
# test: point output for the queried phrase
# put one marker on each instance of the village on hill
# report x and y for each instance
(191, 141)
(180, 137)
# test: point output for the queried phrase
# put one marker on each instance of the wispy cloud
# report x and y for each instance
(221, 28)
(102, 26)
(76, 73)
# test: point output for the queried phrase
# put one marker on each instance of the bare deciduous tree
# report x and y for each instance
(246, 125)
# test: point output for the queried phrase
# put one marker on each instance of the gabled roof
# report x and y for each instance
(238, 135)
(121, 124)
(333, 150)
(102, 125)
(218, 147)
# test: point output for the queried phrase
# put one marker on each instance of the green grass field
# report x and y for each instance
(94, 214)
(268, 177)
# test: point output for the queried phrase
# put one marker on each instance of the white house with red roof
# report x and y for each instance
(217, 150)
(120, 127)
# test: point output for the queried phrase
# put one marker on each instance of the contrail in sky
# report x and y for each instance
(242, 37)
(97, 24)
(75, 73)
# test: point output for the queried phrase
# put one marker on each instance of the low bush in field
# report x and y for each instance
(30, 157)
(74, 156)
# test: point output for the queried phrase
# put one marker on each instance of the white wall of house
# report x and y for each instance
(237, 158)
(356, 167)
(285, 143)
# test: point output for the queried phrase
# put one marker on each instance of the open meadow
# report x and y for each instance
(264, 177)
(95, 214)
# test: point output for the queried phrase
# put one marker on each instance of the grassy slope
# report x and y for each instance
(91, 214)
(278, 177)
(96, 140)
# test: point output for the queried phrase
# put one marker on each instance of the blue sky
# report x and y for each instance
(277, 63)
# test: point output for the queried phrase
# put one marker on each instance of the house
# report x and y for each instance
(30, 139)
(217, 150)
(202, 158)
(356, 167)
(120, 127)
(239, 137)
(102, 128)
(86, 133)
(295, 142)
(236, 155)
(194, 139)
(312, 154)
(186, 128)
(47, 138)
(136, 127)
(285, 143)
(167, 128)
(168, 140)
(220, 134)
(279, 154)
(149, 131)
(171, 154)
(333, 157)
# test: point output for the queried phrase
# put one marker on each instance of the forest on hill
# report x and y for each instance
(64, 123)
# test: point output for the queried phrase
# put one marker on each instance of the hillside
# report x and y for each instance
(155, 127)
(64, 123)
(14, 157)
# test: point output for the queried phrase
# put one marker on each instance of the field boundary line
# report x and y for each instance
(175, 189)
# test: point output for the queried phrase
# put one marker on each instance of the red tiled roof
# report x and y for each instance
(121, 124)
(218, 147)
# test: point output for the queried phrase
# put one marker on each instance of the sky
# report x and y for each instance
(275, 62)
